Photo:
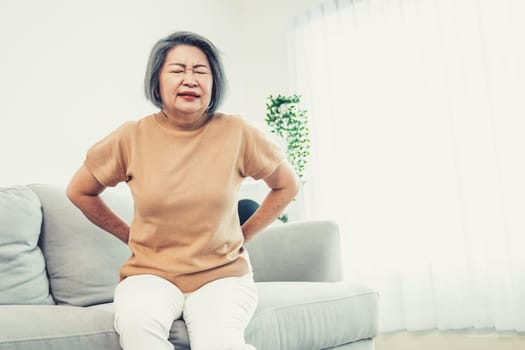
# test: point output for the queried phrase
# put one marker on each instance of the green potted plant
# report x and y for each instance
(289, 121)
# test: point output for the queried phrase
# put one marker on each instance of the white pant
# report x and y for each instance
(215, 314)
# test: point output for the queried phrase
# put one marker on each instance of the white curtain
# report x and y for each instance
(417, 116)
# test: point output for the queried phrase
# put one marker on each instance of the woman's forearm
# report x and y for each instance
(285, 185)
(83, 191)
(269, 210)
(101, 215)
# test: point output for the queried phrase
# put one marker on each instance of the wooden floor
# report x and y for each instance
(450, 341)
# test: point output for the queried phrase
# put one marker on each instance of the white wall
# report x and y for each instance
(71, 71)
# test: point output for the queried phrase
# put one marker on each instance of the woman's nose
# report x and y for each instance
(190, 82)
(189, 78)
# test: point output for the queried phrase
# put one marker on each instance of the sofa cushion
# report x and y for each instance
(57, 327)
(83, 261)
(308, 251)
(310, 315)
(23, 277)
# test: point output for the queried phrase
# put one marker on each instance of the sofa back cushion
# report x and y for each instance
(83, 261)
(23, 277)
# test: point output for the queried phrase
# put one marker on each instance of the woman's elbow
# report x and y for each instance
(295, 185)
(81, 185)
(72, 193)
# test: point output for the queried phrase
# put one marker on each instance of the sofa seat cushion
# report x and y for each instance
(23, 278)
(310, 315)
(290, 315)
(57, 327)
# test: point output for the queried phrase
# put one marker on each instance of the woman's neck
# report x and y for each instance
(183, 122)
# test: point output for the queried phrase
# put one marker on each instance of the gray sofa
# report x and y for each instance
(58, 272)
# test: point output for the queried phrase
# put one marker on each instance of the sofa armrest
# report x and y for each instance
(301, 251)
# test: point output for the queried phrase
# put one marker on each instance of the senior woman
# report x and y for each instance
(184, 166)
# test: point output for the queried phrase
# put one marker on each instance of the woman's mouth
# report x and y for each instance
(188, 95)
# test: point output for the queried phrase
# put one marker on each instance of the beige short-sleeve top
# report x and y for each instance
(184, 185)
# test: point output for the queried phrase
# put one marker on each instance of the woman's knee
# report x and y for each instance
(146, 303)
(141, 319)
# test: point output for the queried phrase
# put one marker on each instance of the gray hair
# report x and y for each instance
(158, 57)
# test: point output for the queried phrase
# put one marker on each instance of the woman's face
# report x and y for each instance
(186, 81)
